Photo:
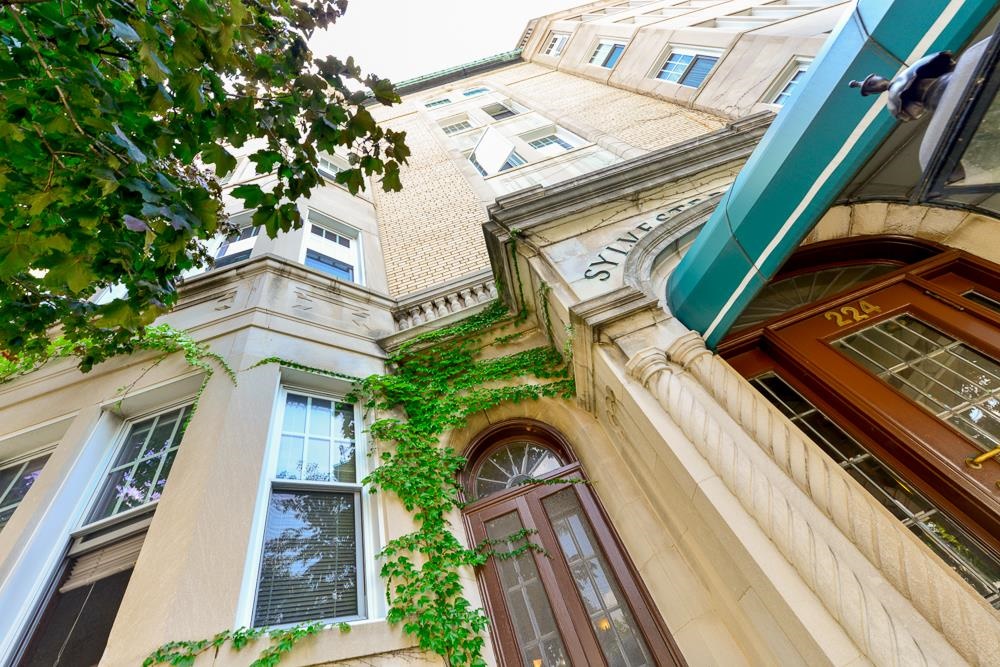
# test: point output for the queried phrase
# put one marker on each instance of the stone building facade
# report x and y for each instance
(718, 526)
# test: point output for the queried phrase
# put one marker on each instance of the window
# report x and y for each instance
(140, 467)
(607, 54)
(437, 103)
(329, 166)
(471, 92)
(15, 480)
(580, 598)
(791, 82)
(456, 127)
(332, 247)
(499, 111)
(513, 160)
(238, 246)
(557, 40)
(550, 140)
(686, 68)
(311, 564)
(479, 167)
(894, 373)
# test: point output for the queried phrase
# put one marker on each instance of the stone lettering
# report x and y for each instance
(600, 275)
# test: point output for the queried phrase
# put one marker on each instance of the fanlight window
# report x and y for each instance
(513, 465)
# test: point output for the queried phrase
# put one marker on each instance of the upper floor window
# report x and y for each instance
(499, 111)
(239, 245)
(513, 160)
(456, 124)
(16, 477)
(331, 165)
(607, 53)
(140, 467)
(550, 140)
(332, 247)
(791, 82)
(687, 68)
(311, 565)
(437, 103)
(557, 40)
(472, 92)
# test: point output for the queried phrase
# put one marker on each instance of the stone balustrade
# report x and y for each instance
(452, 297)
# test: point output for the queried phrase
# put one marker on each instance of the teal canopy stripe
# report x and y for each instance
(818, 142)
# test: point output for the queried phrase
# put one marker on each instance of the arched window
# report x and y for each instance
(894, 373)
(574, 598)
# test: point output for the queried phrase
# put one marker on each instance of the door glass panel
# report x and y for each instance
(610, 617)
(943, 375)
(513, 465)
(950, 541)
(530, 613)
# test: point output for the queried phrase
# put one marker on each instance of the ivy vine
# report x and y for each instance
(439, 379)
(439, 382)
(160, 338)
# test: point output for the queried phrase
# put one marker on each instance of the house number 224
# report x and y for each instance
(846, 315)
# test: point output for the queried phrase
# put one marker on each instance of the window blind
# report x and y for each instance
(103, 562)
(309, 568)
(698, 70)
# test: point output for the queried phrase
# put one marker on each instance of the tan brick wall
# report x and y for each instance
(431, 231)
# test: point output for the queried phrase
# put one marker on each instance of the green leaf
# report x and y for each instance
(251, 194)
(222, 159)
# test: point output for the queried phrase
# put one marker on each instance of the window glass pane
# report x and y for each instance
(982, 300)
(612, 620)
(140, 470)
(528, 606)
(317, 460)
(698, 70)
(613, 57)
(330, 426)
(943, 375)
(336, 268)
(960, 550)
(675, 66)
(15, 481)
(600, 53)
(512, 465)
(309, 568)
(290, 457)
(785, 295)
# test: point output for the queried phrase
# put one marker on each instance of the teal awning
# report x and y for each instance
(818, 142)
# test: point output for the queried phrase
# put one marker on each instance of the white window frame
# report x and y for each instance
(694, 52)
(571, 140)
(98, 486)
(475, 91)
(454, 121)
(555, 43)
(506, 104)
(244, 220)
(366, 525)
(777, 89)
(21, 460)
(334, 164)
(435, 103)
(310, 242)
(611, 43)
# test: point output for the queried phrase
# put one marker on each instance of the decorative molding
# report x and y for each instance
(877, 619)
(870, 597)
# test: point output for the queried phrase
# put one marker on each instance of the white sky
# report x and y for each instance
(401, 39)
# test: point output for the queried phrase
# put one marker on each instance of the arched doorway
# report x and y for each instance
(574, 599)
(886, 353)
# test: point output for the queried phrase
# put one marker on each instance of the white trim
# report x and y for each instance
(327, 221)
(366, 525)
(880, 102)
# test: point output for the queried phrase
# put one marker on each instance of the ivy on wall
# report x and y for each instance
(439, 379)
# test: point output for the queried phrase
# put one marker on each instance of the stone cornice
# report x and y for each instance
(543, 204)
